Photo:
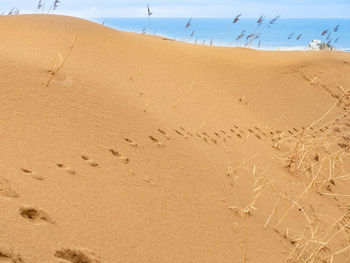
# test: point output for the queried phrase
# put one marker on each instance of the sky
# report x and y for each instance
(191, 8)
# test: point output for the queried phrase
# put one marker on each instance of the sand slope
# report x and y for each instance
(121, 159)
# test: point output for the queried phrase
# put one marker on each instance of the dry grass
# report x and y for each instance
(146, 105)
(317, 156)
(55, 69)
(186, 91)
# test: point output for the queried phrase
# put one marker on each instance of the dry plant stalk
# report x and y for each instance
(273, 212)
(316, 155)
(244, 163)
(184, 94)
(63, 60)
(246, 239)
(147, 104)
(258, 190)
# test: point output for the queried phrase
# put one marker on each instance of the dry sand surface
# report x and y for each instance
(143, 149)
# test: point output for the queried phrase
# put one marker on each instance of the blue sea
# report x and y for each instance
(283, 34)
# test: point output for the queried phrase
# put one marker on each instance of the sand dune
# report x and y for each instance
(143, 149)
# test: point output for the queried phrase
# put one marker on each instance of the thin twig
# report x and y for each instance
(53, 74)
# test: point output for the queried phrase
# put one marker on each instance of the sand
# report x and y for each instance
(143, 149)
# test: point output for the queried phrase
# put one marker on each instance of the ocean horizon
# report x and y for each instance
(283, 34)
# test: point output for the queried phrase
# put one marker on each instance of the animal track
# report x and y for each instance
(130, 142)
(184, 132)
(343, 145)
(77, 256)
(35, 215)
(89, 161)
(243, 101)
(179, 133)
(67, 169)
(204, 133)
(155, 141)
(165, 134)
(5, 189)
(261, 131)
(119, 156)
(8, 256)
(32, 174)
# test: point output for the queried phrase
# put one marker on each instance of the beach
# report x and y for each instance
(125, 147)
(274, 33)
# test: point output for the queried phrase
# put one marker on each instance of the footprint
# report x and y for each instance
(77, 256)
(204, 133)
(178, 132)
(35, 215)
(67, 169)
(32, 174)
(119, 156)
(167, 136)
(261, 131)
(89, 161)
(189, 133)
(8, 256)
(155, 141)
(5, 189)
(346, 138)
(258, 136)
(243, 101)
(217, 134)
(130, 142)
(344, 145)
